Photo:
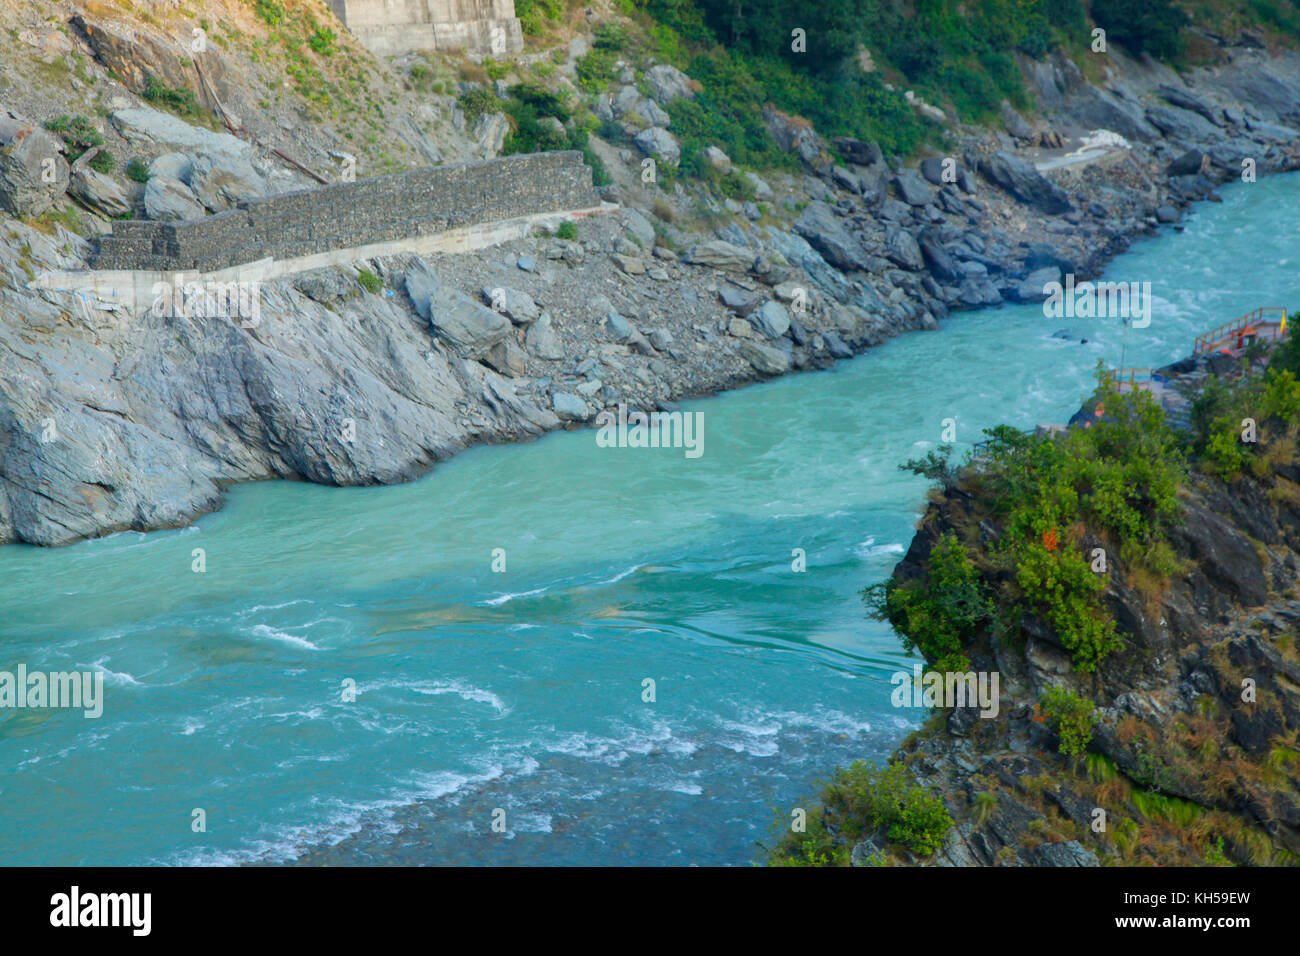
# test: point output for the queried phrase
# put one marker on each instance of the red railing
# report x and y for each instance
(1270, 315)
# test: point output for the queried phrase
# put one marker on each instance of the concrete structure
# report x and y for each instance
(390, 27)
(362, 214)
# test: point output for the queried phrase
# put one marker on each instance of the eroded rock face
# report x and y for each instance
(1187, 652)
(33, 172)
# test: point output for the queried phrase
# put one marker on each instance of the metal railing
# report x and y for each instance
(1273, 316)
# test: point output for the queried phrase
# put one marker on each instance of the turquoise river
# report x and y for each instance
(522, 690)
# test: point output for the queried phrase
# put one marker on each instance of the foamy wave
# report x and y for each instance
(503, 598)
(265, 630)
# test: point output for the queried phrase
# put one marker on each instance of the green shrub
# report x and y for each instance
(1143, 26)
(1070, 717)
(323, 41)
(861, 800)
(567, 230)
(478, 101)
(939, 614)
(78, 134)
(1281, 395)
(369, 281)
(270, 12)
(177, 100)
(102, 162)
(137, 171)
(595, 69)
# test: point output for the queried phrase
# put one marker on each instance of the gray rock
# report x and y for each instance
(515, 305)
(220, 181)
(1185, 99)
(1182, 125)
(1014, 122)
(570, 407)
(912, 189)
(1024, 182)
(858, 151)
(469, 328)
(1188, 164)
(667, 83)
(490, 133)
(639, 226)
(1167, 214)
(827, 234)
(172, 166)
(835, 345)
(661, 339)
(26, 151)
(150, 127)
(932, 169)
(721, 255)
(740, 301)
(619, 329)
(421, 282)
(543, 341)
(771, 319)
(762, 191)
(660, 144)
(99, 192)
(902, 249)
(168, 200)
(507, 358)
(796, 135)
(765, 358)
(1034, 286)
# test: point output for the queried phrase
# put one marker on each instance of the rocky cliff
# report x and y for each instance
(1182, 746)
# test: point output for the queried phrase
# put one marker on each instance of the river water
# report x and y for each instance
(524, 690)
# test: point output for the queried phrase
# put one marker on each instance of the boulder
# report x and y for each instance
(1019, 178)
(1014, 122)
(469, 328)
(720, 254)
(221, 181)
(421, 282)
(771, 319)
(1187, 100)
(639, 226)
(517, 306)
(902, 249)
(912, 189)
(765, 358)
(667, 83)
(858, 151)
(740, 301)
(570, 407)
(1034, 286)
(99, 192)
(150, 127)
(932, 169)
(795, 134)
(660, 144)
(169, 200)
(1182, 125)
(827, 234)
(507, 358)
(1188, 164)
(543, 341)
(27, 152)
(717, 159)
